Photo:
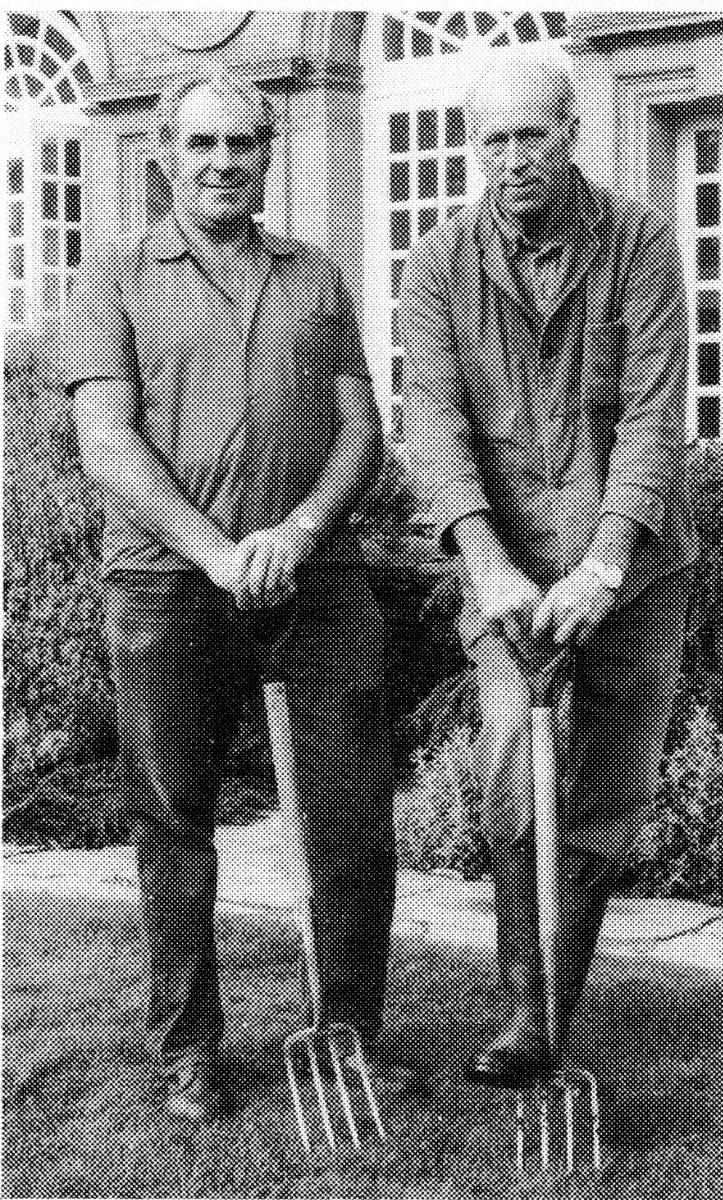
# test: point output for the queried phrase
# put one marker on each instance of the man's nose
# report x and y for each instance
(221, 157)
(515, 155)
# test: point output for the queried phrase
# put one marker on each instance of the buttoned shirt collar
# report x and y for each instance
(166, 241)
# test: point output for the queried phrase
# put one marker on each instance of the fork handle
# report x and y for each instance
(278, 722)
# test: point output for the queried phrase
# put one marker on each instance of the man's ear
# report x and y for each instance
(574, 130)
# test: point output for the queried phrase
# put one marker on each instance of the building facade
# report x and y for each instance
(371, 149)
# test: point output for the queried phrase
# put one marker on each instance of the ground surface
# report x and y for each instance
(81, 1106)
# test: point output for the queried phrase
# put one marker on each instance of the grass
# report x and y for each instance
(81, 1105)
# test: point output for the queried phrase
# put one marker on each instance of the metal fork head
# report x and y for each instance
(345, 1051)
(572, 1094)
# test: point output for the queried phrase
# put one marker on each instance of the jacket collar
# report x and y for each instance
(585, 206)
(166, 242)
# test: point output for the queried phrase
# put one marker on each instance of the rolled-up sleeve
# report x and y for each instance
(648, 454)
(436, 427)
(98, 340)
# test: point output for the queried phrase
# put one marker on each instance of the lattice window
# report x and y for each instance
(45, 70)
(701, 228)
(425, 34)
(43, 65)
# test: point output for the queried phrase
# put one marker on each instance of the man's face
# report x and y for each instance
(524, 146)
(217, 162)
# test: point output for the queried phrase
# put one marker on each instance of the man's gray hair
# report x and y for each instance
(225, 85)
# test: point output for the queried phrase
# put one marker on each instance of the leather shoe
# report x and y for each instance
(518, 1056)
(193, 1093)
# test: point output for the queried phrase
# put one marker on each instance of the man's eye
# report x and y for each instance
(201, 141)
(496, 141)
(242, 144)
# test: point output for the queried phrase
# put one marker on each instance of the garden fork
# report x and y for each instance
(341, 1039)
(572, 1088)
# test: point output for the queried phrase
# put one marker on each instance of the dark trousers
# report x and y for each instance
(183, 657)
(618, 710)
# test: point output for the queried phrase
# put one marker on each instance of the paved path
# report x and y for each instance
(255, 873)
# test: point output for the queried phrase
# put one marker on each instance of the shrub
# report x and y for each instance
(59, 706)
(680, 850)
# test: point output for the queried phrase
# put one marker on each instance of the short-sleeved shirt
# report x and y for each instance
(236, 390)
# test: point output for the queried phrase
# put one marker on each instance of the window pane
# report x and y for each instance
(708, 364)
(49, 66)
(707, 151)
(51, 293)
(427, 220)
(17, 262)
(66, 92)
(709, 425)
(49, 157)
(15, 219)
(427, 178)
(400, 229)
(393, 37)
(26, 54)
(397, 268)
(427, 129)
(399, 181)
(708, 255)
(15, 175)
(421, 44)
(72, 157)
(51, 255)
(397, 415)
(397, 375)
(707, 204)
(456, 176)
(50, 201)
(454, 130)
(708, 312)
(72, 247)
(17, 306)
(399, 133)
(72, 202)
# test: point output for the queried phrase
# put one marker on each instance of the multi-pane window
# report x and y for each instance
(428, 171)
(701, 227)
(17, 241)
(44, 73)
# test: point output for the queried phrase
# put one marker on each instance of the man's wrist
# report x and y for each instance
(610, 575)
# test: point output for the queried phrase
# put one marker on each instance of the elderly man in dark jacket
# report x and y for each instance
(545, 331)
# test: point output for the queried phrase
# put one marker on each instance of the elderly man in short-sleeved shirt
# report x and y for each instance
(545, 330)
(223, 402)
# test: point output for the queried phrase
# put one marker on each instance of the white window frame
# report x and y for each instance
(26, 133)
(688, 233)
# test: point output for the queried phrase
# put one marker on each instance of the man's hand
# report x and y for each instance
(572, 609)
(261, 568)
(507, 600)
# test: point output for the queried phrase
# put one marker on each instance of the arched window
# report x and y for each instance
(45, 73)
(418, 168)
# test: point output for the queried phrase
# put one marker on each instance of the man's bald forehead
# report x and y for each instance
(508, 73)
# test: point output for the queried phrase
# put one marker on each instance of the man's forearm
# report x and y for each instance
(350, 470)
(478, 544)
(615, 540)
(128, 468)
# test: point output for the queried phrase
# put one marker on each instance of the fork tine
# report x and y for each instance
(296, 1099)
(357, 1060)
(343, 1091)
(569, 1130)
(544, 1133)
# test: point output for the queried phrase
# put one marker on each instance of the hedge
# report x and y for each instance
(60, 707)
